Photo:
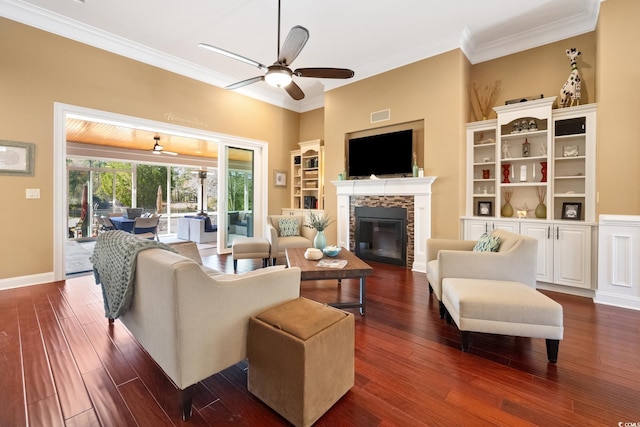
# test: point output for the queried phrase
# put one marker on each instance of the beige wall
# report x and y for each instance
(311, 125)
(618, 89)
(427, 90)
(39, 69)
(438, 91)
(542, 70)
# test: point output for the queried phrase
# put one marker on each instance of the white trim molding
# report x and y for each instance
(618, 269)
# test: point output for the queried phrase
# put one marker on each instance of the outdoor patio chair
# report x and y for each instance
(147, 228)
(106, 224)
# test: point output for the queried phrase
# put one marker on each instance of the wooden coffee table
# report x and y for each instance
(310, 271)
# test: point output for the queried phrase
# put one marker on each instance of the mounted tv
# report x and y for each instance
(384, 154)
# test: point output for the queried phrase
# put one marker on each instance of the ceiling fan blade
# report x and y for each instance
(325, 73)
(245, 82)
(293, 44)
(294, 91)
(233, 55)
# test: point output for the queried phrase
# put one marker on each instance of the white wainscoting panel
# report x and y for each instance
(618, 266)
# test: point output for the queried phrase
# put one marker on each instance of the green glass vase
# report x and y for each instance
(541, 211)
(507, 210)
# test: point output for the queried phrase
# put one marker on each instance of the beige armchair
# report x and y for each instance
(515, 261)
(280, 243)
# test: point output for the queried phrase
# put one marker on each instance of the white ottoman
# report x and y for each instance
(250, 247)
(502, 307)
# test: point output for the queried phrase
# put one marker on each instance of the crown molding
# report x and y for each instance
(57, 24)
(530, 38)
(474, 51)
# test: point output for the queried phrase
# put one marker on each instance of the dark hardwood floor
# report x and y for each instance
(62, 364)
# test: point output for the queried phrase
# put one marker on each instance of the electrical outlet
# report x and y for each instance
(32, 193)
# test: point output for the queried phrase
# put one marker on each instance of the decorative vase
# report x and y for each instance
(415, 170)
(486, 173)
(541, 211)
(526, 148)
(505, 173)
(543, 171)
(319, 242)
(507, 210)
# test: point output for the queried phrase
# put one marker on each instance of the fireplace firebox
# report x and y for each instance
(381, 234)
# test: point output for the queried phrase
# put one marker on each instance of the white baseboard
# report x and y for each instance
(617, 300)
(580, 292)
(21, 281)
(419, 266)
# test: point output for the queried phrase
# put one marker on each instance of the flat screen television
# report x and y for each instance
(384, 154)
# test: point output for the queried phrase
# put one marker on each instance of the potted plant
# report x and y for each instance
(319, 223)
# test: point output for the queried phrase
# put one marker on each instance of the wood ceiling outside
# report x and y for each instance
(85, 132)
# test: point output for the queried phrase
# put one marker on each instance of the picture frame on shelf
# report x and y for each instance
(571, 210)
(279, 178)
(485, 208)
(17, 158)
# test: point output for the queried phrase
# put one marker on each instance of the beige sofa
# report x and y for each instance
(192, 320)
(515, 261)
(280, 244)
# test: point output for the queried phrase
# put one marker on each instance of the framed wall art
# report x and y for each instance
(279, 178)
(16, 158)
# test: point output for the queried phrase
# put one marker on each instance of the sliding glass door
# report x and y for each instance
(95, 188)
(240, 193)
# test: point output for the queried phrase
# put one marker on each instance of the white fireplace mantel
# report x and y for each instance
(419, 188)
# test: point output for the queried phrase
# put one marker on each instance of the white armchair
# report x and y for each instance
(515, 261)
(279, 243)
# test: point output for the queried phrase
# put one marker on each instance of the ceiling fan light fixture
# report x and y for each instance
(278, 76)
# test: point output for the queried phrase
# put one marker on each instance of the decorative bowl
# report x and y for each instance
(313, 254)
(331, 250)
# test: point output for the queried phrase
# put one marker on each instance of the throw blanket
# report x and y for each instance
(114, 266)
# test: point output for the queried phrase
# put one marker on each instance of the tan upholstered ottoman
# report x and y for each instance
(502, 307)
(301, 358)
(250, 247)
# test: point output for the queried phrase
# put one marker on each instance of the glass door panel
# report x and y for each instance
(78, 204)
(151, 190)
(240, 194)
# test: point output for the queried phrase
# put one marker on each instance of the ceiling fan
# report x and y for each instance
(279, 74)
(159, 149)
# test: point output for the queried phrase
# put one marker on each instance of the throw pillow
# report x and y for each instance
(487, 243)
(288, 227)
(208, 227)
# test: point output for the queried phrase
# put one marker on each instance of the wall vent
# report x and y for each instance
(380, 116)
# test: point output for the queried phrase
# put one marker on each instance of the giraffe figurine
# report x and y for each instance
(570, 91)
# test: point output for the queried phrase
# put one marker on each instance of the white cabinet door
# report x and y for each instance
(572, 255)
(543, 232)
(474, 228)
(511, 226)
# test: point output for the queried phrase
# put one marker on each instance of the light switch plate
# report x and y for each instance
(32, 193)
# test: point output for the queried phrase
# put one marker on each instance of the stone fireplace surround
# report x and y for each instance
(383, 192)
